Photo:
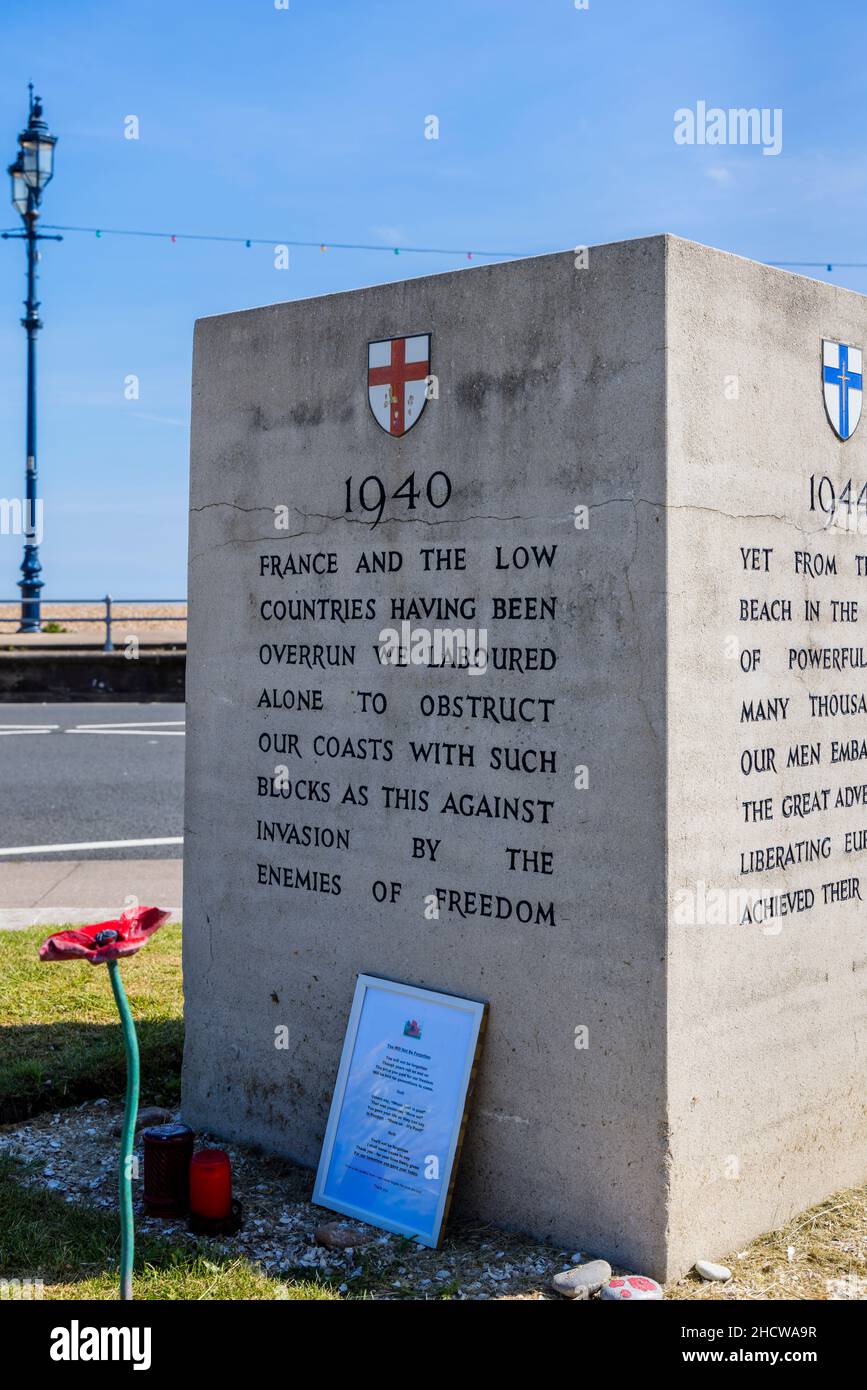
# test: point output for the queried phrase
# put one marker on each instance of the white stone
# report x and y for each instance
(583, 1281)
(708, 1270)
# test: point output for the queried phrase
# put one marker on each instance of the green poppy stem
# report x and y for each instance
(127, 1142)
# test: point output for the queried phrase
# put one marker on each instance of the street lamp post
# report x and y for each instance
(30, 174)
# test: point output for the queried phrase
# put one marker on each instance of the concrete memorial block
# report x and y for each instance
(524, 665)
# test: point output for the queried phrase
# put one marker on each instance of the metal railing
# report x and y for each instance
(108, 617)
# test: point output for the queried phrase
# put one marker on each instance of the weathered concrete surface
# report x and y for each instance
(766, 1023)
(721, 1087)
(552, 393)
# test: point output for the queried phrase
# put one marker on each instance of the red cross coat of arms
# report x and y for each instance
(397, 370)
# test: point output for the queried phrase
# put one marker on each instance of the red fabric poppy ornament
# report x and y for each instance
(104, 941)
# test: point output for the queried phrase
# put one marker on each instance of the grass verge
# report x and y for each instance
(60, 1042)
(74, 1250)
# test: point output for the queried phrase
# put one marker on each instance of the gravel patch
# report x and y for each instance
(74, 1154)
(820, 1255)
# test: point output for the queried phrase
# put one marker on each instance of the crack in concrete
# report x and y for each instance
(422, 521)
(278, 536)
(206, 506)
(635, 502)
(56, 884)
(359, 521)
(252, 540)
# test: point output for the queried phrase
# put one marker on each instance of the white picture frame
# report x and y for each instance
(399, 1108)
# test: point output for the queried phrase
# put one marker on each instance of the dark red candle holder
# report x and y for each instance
(167, 1153)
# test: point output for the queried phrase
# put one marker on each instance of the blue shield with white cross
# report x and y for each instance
(841, 385)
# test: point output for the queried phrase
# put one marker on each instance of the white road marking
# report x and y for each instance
(134, 724)
(129, 733)
(156, 728)
(10, 729)
(91, 844)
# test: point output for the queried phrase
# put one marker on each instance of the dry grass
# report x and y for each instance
(821, 1254)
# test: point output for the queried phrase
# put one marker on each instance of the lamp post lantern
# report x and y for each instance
(30, 174)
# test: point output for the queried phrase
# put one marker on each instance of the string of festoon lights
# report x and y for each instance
(321, 246)
(324, 246)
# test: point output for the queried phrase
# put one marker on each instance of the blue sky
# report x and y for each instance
(556, 128)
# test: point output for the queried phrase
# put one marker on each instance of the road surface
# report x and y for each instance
(83, 774)
(91, 807)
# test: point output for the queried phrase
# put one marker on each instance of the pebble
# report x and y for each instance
(582, 1281)
(636, 1288)
(708, 1270)
(339, 1235)
(150, 1115)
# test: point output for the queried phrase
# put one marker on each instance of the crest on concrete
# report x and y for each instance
(842, 386)
(397, 369)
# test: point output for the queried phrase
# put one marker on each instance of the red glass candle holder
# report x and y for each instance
(213, 1211)
(211, 1184)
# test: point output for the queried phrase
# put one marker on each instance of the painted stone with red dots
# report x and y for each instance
(633, 1288)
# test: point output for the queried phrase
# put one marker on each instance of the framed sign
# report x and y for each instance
(399, 1107)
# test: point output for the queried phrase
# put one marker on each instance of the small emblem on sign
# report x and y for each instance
(841, 386)
(411, 1029)
(397, 372)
